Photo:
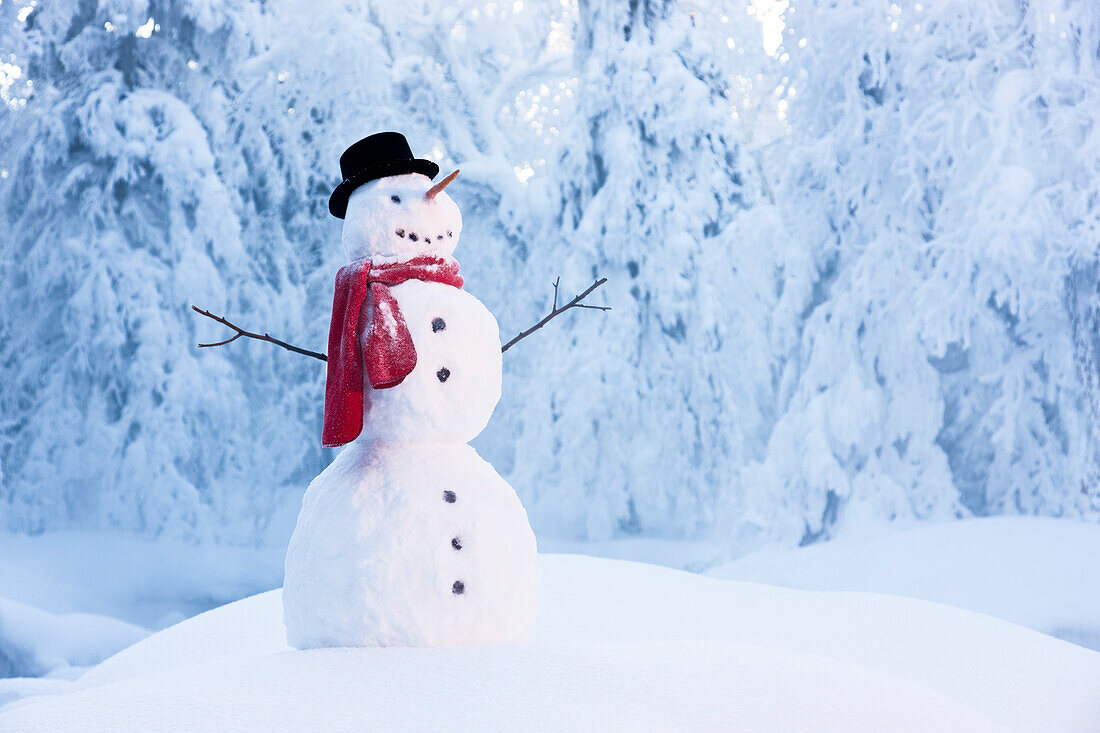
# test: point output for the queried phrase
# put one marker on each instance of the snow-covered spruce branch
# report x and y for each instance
(554, 312)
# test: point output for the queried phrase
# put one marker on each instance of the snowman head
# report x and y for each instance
(399, 216)
(388, 203)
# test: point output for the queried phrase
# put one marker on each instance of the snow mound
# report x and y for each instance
(1032, 571)
(654, 686)
(618, 646)
(35, 643)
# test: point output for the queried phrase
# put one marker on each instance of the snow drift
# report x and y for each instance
(618, 645)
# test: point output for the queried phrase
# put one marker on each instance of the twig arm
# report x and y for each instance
(258, 336)
(556, 311)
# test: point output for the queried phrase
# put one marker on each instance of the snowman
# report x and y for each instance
(409, 538)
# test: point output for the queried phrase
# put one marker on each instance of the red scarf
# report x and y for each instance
(389, 354)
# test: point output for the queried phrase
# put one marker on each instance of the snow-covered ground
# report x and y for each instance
(70, 599)
(619, 646)
(620, 639)
(151, 584)
(41, 652)
(1034, 571)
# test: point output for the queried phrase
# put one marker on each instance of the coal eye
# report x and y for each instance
(395, 199)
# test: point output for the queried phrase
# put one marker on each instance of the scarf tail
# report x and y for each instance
(390, 355)
(344, 379)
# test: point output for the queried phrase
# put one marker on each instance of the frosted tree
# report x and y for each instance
(131, 184)
(637, 422)
(853, 280)
(942, 170)
(1084, 302)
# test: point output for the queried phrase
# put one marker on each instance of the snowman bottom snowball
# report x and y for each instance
(402, 544)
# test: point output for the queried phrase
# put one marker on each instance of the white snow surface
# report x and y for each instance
(618, 646)
(1034, 571)
(390, 216)
(424, 407)
(35, 643)
(380, 557)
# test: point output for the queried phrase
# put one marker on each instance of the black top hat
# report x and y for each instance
(377, 156)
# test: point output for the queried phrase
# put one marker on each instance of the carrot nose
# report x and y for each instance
(434, 190)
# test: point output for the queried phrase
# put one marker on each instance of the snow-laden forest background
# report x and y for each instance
(853, 249)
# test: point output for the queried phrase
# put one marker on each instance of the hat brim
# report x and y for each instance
(338, 202)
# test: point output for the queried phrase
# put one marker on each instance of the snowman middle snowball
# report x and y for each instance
(409, 538)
